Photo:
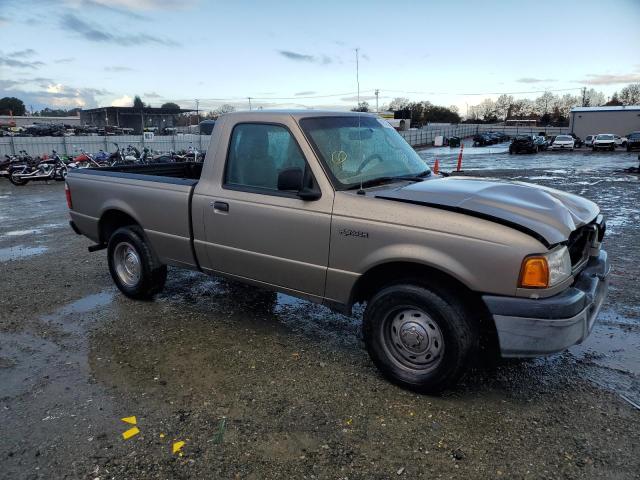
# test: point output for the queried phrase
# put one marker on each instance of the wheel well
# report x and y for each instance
(389, 273)
(111, 220)
(392, 273)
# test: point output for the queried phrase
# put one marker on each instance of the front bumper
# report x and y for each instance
(533, 327)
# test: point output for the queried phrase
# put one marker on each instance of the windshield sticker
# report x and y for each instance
(338, 158)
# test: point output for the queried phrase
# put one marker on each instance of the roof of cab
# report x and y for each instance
(298, 114)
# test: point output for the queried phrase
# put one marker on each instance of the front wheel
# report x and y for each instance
(419, 338)
(133, 266)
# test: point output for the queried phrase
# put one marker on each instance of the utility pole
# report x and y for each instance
(584, 96)
(198, 110)
(377, 93)
(249, 98)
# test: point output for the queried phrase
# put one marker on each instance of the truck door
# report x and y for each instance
(255, 231)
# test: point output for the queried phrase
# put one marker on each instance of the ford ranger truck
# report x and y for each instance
(336, 208)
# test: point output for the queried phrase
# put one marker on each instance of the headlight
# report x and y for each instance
(547, 270)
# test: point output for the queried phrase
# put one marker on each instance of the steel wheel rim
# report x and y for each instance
(413, 339)
(127, 264)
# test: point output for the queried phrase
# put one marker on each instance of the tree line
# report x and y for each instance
(548, 108)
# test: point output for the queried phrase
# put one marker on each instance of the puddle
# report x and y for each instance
(20, 251)
(19, 233)
(83, 305)
(611, 347)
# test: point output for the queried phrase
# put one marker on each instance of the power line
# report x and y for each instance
(484, 93)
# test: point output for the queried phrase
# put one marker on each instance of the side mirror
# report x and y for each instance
(292, 179)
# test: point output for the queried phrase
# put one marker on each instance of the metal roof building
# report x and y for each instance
(130, 117)
(585, 121)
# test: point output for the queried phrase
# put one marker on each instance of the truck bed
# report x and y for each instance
(188, 171)
(156, 196)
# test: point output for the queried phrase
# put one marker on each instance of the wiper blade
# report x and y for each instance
(382, 180)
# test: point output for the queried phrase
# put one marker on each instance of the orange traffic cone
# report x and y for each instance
(436, 167)
(459, 168)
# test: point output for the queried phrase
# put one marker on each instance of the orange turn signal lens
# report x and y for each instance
(534, 273)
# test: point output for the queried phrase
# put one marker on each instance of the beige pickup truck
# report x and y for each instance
(338, 209)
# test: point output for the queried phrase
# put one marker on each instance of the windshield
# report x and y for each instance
(604, 137)
(358, 149)
(563, 138)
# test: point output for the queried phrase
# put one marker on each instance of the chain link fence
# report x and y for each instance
(93, 144)
(426, 135)
(166, 143)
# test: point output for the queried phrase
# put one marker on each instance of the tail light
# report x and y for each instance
(67, 192)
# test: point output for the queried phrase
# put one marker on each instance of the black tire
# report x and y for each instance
(511, 151)
(612, 147)
(151, 273)
(593, 149)
(444, 364)
(19, 182)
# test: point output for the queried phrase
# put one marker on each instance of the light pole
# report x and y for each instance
(377, 93)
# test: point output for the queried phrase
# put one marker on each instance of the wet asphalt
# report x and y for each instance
(261, 385)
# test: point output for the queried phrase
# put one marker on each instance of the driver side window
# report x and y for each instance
(258, 153)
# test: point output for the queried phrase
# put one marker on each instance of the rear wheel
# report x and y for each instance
(133, 266)
(17, 180)
(612, 147)
(418, 337)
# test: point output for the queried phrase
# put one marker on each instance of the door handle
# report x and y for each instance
(221, 206)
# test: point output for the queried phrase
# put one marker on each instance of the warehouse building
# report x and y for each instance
(621, 121)
(134, 118)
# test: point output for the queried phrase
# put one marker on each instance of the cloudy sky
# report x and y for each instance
(289, 53)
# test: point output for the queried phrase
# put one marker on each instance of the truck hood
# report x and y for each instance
(545, 213)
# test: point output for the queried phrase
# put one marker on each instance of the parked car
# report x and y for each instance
(620, 141)
(523, 143)
(563, 142)
(541, 142)
(577, 141)
(588, 140)
(481, 140)
(604, 141)
(289, 202)
(633, 141)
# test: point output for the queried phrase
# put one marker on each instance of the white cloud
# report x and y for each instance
(55, 88)
(123, 101)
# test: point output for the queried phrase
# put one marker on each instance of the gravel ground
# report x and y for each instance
(260, 385)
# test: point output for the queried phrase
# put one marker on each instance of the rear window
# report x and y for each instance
(604, 137)
(635, 136)
(563, 138)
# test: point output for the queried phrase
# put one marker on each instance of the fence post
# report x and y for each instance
(106, 145)
(64, 144)
(13, 145)
(173, 143)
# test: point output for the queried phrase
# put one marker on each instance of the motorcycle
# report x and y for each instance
(52, 168)
(86, 160)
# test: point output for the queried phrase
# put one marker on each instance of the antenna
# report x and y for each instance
(358, 74)
(361, 190)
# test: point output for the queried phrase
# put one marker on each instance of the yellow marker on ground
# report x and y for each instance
(130, 420)
(177, 446)
(130, 433)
